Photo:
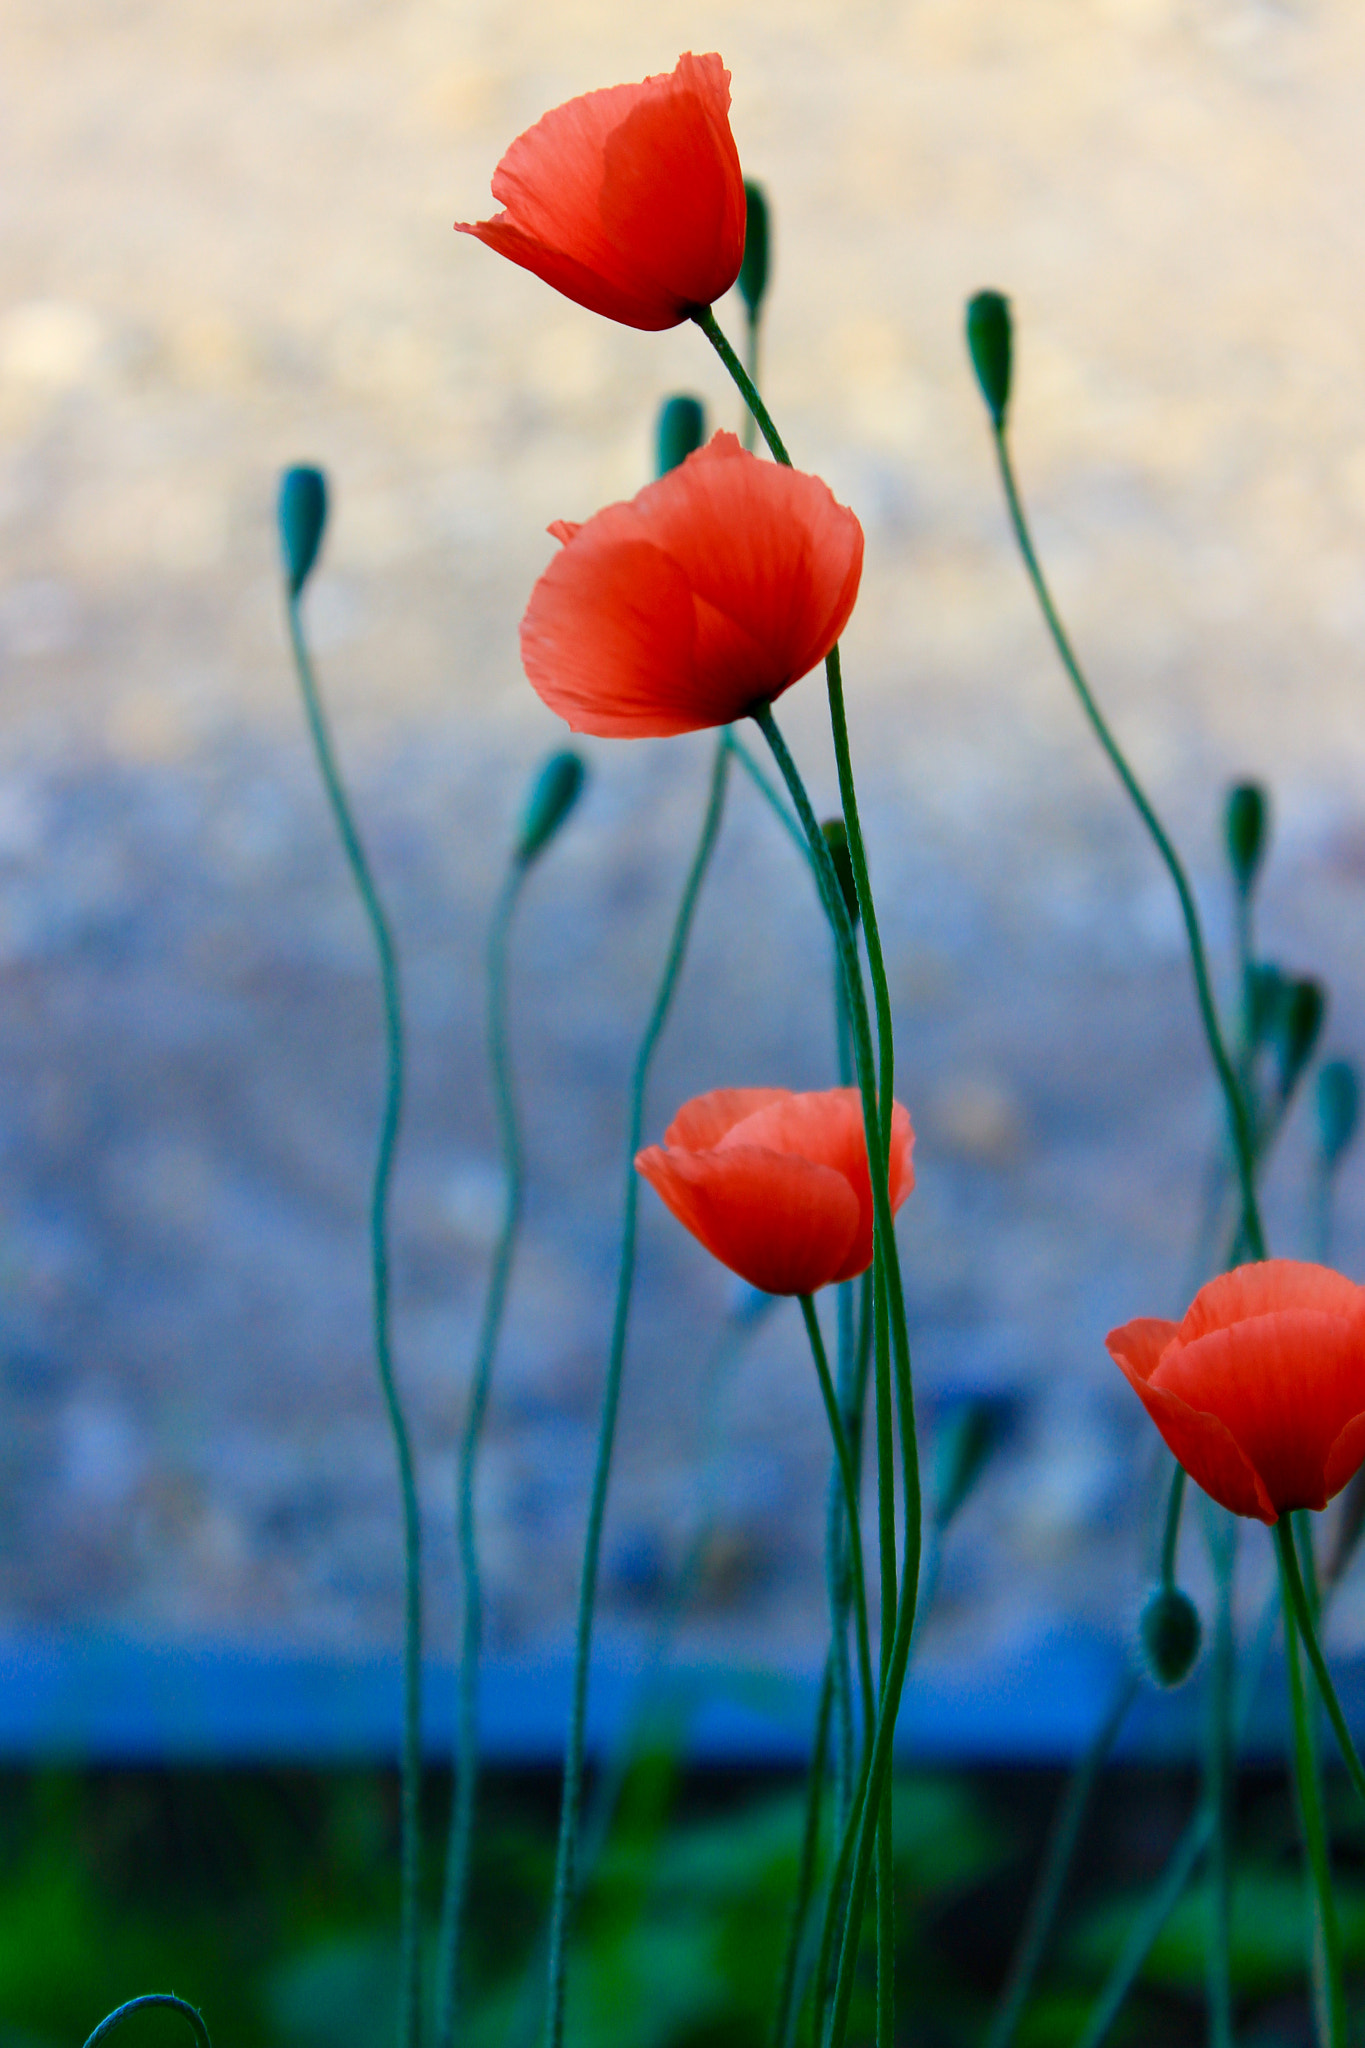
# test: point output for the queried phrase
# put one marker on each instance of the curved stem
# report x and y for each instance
(1298, 1601)
(748, 391)
(784, 2022)
(1056, 1865)
(592, 1545)
(120, 2013)
(770, 794)
(449, 1952)
(1329, 1994)
(1239, 1118)
(866, 1813)
(848, 1474)
(363, 879)
(1222, 1534)
(1170, 1535)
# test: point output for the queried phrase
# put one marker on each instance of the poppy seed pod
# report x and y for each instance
(753, 271)
(1245, 823)
(680, 432)
(630, 201)
(1260, 1389)
(775, 1185)
(302, 516)
(990, 342)
(552, 796)
(1338, 1108)
(1171, 1634)
(707, 595)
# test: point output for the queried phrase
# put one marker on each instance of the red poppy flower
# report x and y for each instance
(1260, 1390)
(629, 201)
(776, 1185)
(708, 594)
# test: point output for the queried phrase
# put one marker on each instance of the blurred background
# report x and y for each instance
(226, 248)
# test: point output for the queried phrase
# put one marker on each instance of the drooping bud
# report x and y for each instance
(1266, 994)
(1302, 1008)
(552, 796)
(681, 430)
(836, 839)
(1246, 823)
(1171, 1635)
(1338, 1108)
(990, 340)
(753, 271)
(302, 514)
(966, 1438)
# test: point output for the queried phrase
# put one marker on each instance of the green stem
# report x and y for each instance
(784, 2023)
(449, 1964)
(1329, 2000)
(866, 1815)
(1170, 1537)
(1239, 1119)
(575, 1739)
(1218, 1782)
(849, 1476)
(1298, 1600)
(751, 368)
(120, 2013)
(411, 1853)
(1056, 1865)
(748, 391)
(771, 795)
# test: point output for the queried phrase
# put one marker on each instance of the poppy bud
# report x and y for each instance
(1171, 1634)
(966, 1439)
(989, 339)
(836, 839)
(681, 430)
(1338, 1107)
(1303, 1005)
(753, 271)
(1266, 990)
(553, 795)
(1246, 819)
(302, 518)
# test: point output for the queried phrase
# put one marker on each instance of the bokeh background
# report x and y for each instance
(227, 247)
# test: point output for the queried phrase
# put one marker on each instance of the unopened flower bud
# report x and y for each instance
(753, 271)
(681, 430)
(1266, 993)
(553, 795)
(1303, 1006)
(1246, 820)
(1170, 1635)
(966, 1438)
(1338, 1107)
(836, 839)
(302, 516)
(990, 340)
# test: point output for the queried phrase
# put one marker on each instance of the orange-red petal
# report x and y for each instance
(783, 1223)
(704, 1121)
(630, 200)
(710, 592)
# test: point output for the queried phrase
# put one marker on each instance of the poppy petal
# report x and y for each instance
(704, 1121)
(783, 1224)
(1345, 1457)
(1284, 1385)
(1264, 1289)
(1202, 1444)
(607, 640)
(1138, 1345)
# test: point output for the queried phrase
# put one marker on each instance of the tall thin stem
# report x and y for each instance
(784, 2022)
(1222, 1531)
(1170, 1534)
(450, 1947)
(1297, 1601)
(1239, 1116)
(748, 391)
(363, 879)
(849, 1476)
(1330, 1997)
(575, 1740)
